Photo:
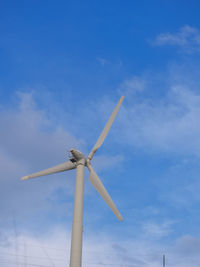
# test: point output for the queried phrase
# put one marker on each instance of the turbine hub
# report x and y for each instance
(77, 155)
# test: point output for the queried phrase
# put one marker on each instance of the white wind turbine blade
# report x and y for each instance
(68, 165)
(105, 130)
(96, 182)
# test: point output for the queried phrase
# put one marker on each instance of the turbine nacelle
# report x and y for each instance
(77, 155)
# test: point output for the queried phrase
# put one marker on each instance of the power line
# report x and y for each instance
(16, 239)
(63, 260)
(46, 253)
(31, 257)
(7, 261)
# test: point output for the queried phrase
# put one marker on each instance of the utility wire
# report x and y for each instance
(47, 255)
(25, 251)
(16, 239)
(31, 257)
(84, 250)
(7, 261)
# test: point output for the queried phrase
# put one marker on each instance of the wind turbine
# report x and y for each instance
(78, 161)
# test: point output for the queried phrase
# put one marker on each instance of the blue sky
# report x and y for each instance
(63, 67)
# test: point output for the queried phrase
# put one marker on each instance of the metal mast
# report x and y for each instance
(164, 260)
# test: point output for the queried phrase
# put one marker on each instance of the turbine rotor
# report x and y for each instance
(78, 157)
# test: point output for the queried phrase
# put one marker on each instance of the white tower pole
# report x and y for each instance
(77, 226)
(81, 162)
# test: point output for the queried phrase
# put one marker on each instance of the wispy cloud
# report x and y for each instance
(168, 124)
(157, 230)
(187, 38)
(53, 249)
(132, 85)
(27, 145)
(102, 61)
(188, 245)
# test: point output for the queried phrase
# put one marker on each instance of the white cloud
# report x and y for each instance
(131, 86)
(169, 124)
(187, 38)
(188, 245)
(28, 143)
(53, 249)
(102, 61)
(157, 230)
(104, 162)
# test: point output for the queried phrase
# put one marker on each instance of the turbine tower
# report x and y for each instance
(78, 161)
